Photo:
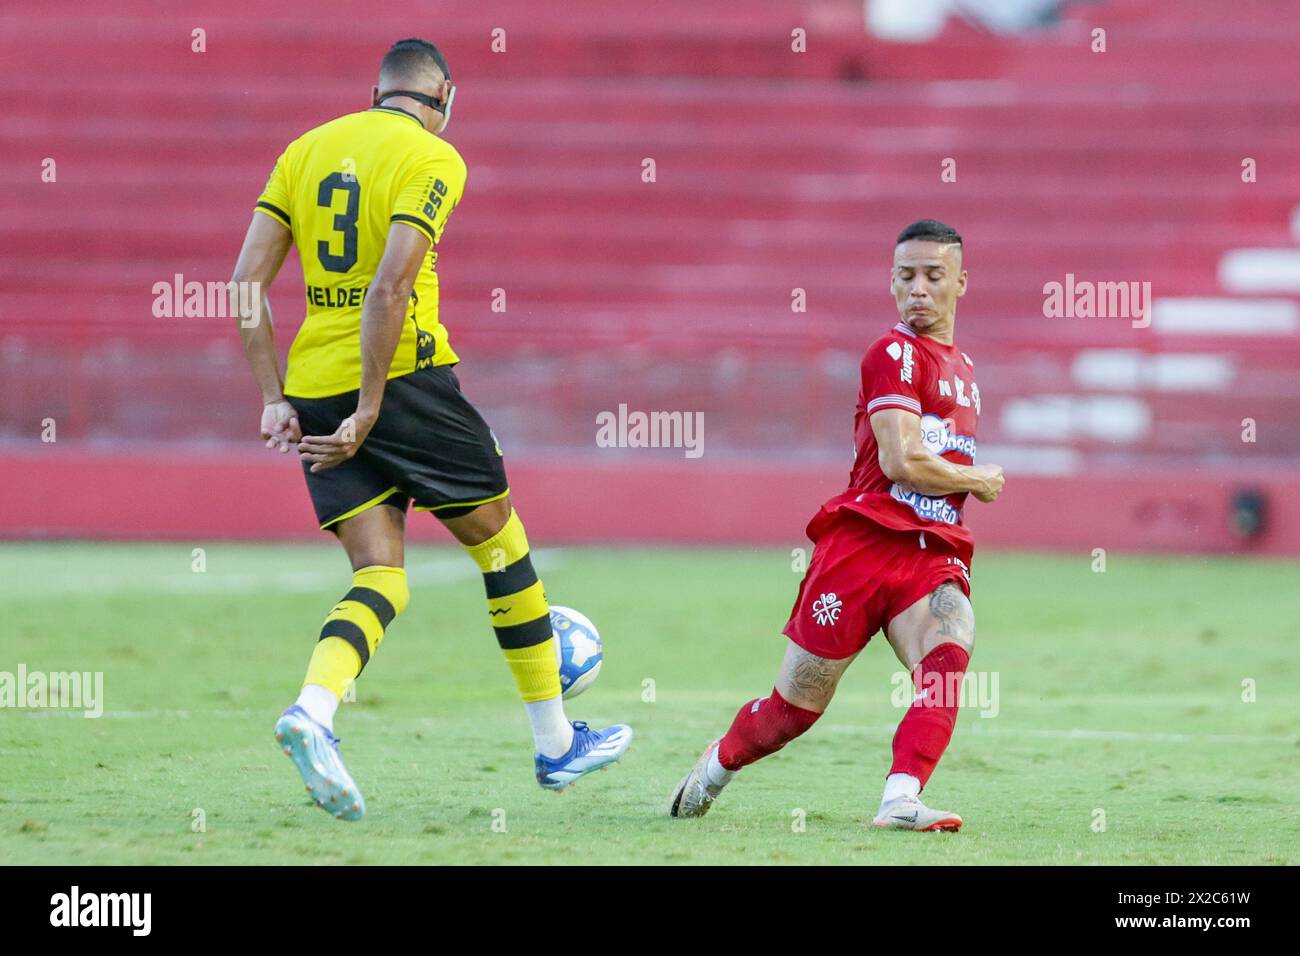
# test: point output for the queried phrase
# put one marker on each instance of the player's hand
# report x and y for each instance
(326, 451)
(280, 425)
(991, 482)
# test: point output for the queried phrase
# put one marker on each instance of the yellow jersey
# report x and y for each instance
(338, 188)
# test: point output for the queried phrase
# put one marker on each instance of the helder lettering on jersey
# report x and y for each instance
(335, 297)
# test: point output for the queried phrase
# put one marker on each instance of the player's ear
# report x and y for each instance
(961, 284)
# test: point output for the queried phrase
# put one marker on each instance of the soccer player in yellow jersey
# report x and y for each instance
(372, 406)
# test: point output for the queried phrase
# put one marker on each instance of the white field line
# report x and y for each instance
(881, 730)
(435, 571)
(218, 713)
(982, 730)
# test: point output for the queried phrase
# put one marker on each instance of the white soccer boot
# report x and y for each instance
(909, 813)
(695, 794)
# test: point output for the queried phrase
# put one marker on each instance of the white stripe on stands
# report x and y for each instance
(1260, 270)
(1225, 316)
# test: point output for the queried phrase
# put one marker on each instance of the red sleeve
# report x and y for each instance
(890, 373)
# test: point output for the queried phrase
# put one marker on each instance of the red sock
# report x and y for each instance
(927, 726)
(762, 727)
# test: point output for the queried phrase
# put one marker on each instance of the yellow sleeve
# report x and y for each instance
(274, 200)
(430, 192)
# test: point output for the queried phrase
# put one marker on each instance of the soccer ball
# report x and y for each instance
(578, 650)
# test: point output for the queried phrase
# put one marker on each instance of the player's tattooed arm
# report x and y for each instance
(951, 610)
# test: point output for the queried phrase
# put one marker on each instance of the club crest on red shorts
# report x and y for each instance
(826, 609)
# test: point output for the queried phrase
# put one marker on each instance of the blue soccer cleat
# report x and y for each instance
(591, 750)
(315, 752)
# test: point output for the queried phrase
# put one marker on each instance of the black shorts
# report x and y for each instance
(429, 446)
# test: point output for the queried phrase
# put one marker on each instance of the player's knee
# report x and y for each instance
(952, 619)
(484, 523)
(368, 549)
(380, 557)
(808, 681)
(495, 514)
(961, 633)
(965, 632)
(810, 702)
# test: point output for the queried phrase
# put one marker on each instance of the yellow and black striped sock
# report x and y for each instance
(519, 612)
(356, 625)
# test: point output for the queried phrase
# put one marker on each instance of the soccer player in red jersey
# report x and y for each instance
(890, 553)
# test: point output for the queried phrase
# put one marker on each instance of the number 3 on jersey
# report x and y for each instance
(344, 222)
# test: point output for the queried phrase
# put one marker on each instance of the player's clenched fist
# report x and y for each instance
(280, 425)
(990, 482)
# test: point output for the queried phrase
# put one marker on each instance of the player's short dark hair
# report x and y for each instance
(929, 230)
(412, 56)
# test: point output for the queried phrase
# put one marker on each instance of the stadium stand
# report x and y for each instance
(775, 171)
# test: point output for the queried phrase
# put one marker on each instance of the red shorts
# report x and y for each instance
(861, 577)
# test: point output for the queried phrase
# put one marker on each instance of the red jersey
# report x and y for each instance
(937, 382)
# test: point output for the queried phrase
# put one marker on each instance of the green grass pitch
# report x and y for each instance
(1121, 733)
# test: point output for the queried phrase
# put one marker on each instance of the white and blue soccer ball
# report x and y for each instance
(578, 649)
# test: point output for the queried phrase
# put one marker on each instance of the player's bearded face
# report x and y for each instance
(927, 280)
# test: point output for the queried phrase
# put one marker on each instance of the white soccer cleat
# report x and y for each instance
(695, 794)
(314, 750)
(909, 813)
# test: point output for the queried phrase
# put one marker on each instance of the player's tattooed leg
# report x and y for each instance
(804, 687)
(944, 616)
(952, 612)
(933, 639)
(809, 681)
